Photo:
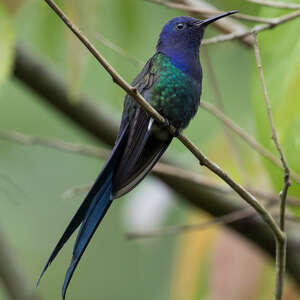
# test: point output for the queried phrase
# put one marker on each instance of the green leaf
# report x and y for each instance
(7, 41)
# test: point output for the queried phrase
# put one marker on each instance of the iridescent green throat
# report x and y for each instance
(175, 94)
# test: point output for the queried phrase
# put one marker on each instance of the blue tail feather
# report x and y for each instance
(89, 207)
(94, 215)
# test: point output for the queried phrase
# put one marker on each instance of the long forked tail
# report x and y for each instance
(90, 213)
(95, 214)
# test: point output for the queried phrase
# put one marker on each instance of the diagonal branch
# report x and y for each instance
(258, 28)
(203, 160)
(193, 188)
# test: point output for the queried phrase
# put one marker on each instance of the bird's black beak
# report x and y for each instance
(205, 22)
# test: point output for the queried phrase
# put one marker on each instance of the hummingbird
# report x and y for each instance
(171, 81)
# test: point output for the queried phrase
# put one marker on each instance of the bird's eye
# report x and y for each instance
(180, 26)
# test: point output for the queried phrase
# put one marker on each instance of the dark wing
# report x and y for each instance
(143, 82)
(146, 143)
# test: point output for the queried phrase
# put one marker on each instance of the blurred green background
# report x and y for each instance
(33, 179)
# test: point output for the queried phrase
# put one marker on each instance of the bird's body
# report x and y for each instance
(175, 94)
(171, 82)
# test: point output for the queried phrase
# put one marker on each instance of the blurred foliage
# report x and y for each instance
(33, 179)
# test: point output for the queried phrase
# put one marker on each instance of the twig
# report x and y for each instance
(227, 25)
(275, 139)
(99, 152)
(290, 218)
(255, 29)
(246, 137)
(277, 4)
(250, 199)
(228, 133)
(119, 50)
(165, 169)
(208, 11)
(11, 275)
(53, 143)
(281, 245)
(171, 230)
(73, 191)
(222, 220)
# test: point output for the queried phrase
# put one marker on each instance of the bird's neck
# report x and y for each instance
(187, 60)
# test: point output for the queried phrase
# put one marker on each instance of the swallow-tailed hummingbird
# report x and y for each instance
(171, 81)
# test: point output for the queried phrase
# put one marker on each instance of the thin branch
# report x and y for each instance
(172, 230)
(194, 178)
(275, 139)
(255, 29)
(277, 4)
(99, 152)
(289, 218)
(281, 252)
(53, 143)
(74, 191)
(203, 160)
(246, 137)
(119, 50)
(234, 216)
(205, 11)
(227, 25)
(228, 133)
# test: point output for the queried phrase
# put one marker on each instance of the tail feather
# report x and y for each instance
(85, 207)
(95, 213)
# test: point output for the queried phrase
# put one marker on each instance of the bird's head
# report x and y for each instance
(182, 33)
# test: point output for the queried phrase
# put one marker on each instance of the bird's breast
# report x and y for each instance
(175, 94)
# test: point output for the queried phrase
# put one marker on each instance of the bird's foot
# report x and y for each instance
(166, 124)
(177, 132)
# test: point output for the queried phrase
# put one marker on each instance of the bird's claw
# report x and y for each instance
(177, 132)
(166, 123)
